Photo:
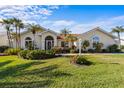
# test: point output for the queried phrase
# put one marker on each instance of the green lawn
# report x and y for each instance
(107, 71)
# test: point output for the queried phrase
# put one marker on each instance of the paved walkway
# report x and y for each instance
(73, 54)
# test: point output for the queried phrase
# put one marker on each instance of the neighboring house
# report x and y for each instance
(47, 39)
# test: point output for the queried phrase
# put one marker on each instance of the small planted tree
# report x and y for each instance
(98, 46)
(72, 39)
(85, 44)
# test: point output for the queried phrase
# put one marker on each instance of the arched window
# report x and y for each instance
(28, 43)
(95, 39)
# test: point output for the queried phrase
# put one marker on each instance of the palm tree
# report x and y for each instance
(65, 32)
(118, 30)
(85, 44)
(15, 22)
(7, 23)
(71, 38)
(20, 26)
(34, 28)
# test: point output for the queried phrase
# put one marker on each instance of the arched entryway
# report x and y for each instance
(49, 42)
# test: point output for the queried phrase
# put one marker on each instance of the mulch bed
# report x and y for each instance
(3, 54)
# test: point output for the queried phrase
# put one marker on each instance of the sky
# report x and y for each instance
(77, 19)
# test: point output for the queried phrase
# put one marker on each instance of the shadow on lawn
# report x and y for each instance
(5, 63)
(14, 70)
(48, 74)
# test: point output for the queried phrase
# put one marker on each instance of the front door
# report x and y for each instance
(49, 44)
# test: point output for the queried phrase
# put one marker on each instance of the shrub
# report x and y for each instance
(104, 51)
(98, 46)
(82, 60)
(57, 50)
(12, 51)
(36, 54)
(91, 50)
(23, 54)
(50, 53)
(66, 50)
(72, 51)
(3, 48)
(118, 50)
(40, 54)
(113, 48)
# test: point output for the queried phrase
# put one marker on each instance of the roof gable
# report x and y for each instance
(45, 30)
(101, 30)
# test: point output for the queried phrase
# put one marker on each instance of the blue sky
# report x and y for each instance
(77, 18)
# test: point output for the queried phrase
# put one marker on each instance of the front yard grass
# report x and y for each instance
(107, 71)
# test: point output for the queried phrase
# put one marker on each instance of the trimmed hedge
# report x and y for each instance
(3, 48)
(36, 54)
(23, 54)
(113, 49)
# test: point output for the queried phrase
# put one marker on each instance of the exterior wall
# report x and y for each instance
(104, 38)
(59, 42)
(3, 40)
(39, 39)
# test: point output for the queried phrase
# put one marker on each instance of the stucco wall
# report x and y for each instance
(40, 40)
(104, 38)
(3, 40)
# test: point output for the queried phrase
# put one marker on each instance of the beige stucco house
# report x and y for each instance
(47, 39)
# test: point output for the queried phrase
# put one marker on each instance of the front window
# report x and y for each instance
(95, 39)
(28, 43)
(64, 44)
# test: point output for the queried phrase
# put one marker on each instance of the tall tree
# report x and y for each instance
(7, 24)
(20, 26)
(65, 32)
(34, 28)
(118, 30)
(15, 21)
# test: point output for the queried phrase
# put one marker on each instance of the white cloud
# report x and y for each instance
(58, 25)
(36, 12)
(76, 27)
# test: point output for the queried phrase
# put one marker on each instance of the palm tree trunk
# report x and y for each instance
(8, 38)
(19, 39)
(34, 42)
(119, 40)
(16, 38)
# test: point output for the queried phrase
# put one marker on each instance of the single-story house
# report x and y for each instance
(47, 39)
